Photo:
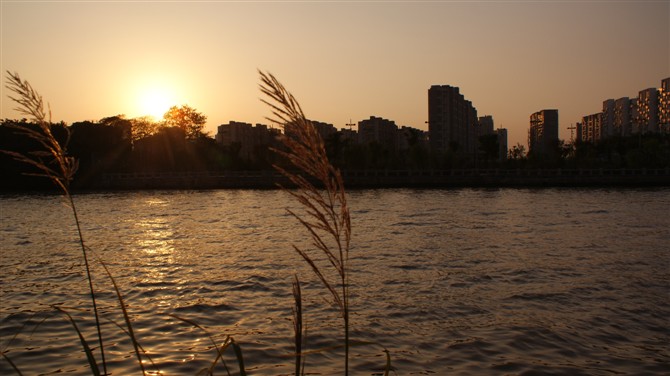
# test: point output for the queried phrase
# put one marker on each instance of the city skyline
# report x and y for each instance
(342, 60)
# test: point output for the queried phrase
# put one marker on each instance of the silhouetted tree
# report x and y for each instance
(100, 147)
(142, 127)
(121, 123)
(188, 119)
(517, 152)
(161, 152)
(17, 175)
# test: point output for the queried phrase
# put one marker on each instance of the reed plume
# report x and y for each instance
(55, 164)
(52, 161)
(320, 191)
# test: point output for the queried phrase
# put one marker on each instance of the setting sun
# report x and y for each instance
(155, 102)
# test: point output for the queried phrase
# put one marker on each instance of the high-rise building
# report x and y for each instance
(622, 119)
(543, 132)
(591, 128)
(647, 111)
(607, 118)
(502, 143)
(664, 106)
(452, 120)
(634, 113)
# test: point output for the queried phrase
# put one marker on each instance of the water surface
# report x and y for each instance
(459, 282)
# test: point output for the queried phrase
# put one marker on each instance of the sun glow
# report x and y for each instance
(155, 102)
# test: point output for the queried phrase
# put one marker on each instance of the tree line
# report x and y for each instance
(177, 143)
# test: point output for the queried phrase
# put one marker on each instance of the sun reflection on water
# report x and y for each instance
(156, 241)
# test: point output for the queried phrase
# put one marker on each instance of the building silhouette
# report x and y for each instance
(409, 137)
(378, 130)
(325, 130)
(543, 132)
(451, 120)
(245, 137)
(502, 143)
(484, 125)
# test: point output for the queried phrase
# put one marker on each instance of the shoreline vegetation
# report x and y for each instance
(323, 213)
(370, 179)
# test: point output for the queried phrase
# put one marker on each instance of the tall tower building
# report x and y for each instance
(452, 120)
(543, 132)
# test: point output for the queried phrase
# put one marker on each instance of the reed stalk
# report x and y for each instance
(298, 326)
(325, 213)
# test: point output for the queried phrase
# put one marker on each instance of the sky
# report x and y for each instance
(343, 60)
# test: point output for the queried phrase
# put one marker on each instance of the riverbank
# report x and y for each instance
(395, 179)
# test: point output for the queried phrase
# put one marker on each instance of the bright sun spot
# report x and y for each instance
(155, 103)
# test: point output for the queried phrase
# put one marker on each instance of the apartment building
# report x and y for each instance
(378, 130)
(452, 120)
(664, 106)
(245, 136)
(591, 128)
(543, 132)
(607, 118)
(647, 111)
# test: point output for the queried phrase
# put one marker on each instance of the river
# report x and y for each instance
(457, 281)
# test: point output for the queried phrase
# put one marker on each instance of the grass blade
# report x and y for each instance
(84, 344)
(297, 324)
(219, 350)
(18, 372)
(238, 355)
(129, 325)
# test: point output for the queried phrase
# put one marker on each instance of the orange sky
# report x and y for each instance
(342, 59)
